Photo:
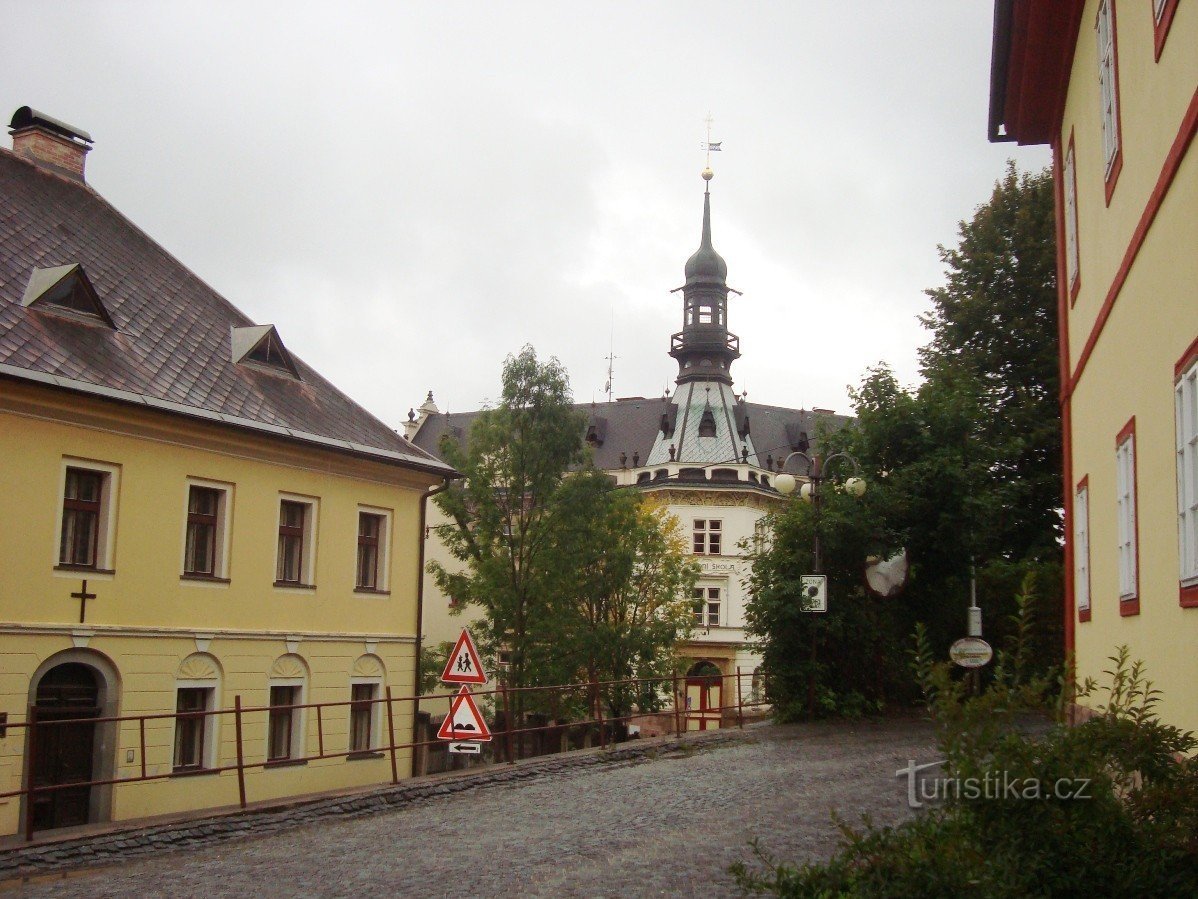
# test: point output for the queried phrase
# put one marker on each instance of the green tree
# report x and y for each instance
(577, 580)
(626, 599)
(506, 507)
(964, 472)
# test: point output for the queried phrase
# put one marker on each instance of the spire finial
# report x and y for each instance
(709, 148)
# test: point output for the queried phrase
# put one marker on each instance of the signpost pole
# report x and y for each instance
(391, 738)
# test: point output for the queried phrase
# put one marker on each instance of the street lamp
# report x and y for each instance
(812, 492)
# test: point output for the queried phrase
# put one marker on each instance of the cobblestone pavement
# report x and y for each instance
(661, 826)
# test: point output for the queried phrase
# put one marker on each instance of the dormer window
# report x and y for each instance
(65, 288)
(261, 347)
(707, 423)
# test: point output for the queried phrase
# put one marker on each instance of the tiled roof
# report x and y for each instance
(171, 345)
(633, 426)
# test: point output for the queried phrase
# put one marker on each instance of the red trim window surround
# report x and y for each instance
(1127, 512)
(1081, 549)
(1108, 80)
(1072, 259)
(1185, 374)
(1162, 18)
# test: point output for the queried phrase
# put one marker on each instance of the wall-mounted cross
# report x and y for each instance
(83, 596)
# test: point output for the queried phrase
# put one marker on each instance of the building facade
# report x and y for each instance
(1112, 87)
(193, 517)
(708, 455)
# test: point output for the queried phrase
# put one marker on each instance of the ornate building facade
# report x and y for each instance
(707, 454)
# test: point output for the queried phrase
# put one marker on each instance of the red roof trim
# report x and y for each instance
(1028, 88)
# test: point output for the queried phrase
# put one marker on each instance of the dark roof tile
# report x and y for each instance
(171, 342)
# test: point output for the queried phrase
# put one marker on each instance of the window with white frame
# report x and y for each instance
(705, 606)
(364, 710)
(1186, 408)
(87, 515)
(284, 721)
(194, 729)
(294, 566)
(1081, 547)
(707, 536)
(373, 541)
(205, 536)
(1108, 90)
(1070, 176)
(1125, 498)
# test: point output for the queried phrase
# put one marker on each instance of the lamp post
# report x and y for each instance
(812, 492)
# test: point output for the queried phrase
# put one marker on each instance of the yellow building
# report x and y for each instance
(1112, 86)
(192, 517)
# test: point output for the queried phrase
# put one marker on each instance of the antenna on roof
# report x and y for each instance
(611, 355)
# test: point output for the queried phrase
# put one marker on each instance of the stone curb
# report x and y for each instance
(111, 847)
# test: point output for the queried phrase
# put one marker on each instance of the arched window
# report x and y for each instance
(285, 721)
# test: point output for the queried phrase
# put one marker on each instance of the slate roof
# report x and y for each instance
(633, 426)
(171, 348)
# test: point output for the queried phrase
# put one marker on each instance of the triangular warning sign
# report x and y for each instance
(464, 721)
(463, 665)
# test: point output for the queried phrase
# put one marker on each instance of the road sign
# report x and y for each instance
(971, 652)
(466, 748)
(814, 592)
(464, 721)
(463, 665)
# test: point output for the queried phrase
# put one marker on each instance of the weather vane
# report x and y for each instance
(709, 148)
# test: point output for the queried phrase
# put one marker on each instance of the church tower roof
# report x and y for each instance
(704, 348)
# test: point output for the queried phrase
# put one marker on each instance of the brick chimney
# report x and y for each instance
(51, 144)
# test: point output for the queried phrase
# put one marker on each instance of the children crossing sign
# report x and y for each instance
(464, 721)
(463, 665)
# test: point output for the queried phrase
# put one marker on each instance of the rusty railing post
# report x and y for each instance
(677, 710)
(740, 703)
(141, 727)
(30, 788)
(391, 737)
(240, 749)
(319, 732)
(599, 714)
(507, 722)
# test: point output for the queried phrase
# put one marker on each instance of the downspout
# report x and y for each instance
(423, 537)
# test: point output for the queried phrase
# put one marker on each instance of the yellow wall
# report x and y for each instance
(1152, 322)
(147, 620)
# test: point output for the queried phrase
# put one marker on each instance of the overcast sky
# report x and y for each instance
(412, 191)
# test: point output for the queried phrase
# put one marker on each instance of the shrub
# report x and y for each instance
(1131, 831)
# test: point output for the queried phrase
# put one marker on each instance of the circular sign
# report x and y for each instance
(971, 652)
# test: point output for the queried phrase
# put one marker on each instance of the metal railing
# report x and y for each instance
(515, 704)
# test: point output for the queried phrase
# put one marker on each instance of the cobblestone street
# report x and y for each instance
(664, 825)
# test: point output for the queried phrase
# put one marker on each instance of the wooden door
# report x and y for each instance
(704, 697)
(63, 744)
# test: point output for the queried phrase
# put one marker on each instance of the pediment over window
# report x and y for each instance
(261, 346)
(65, 288)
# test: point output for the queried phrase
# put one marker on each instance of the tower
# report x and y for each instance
(704, 348)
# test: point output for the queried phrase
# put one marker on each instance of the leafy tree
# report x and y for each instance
(577, 580)
(626, 598)
(964, 472)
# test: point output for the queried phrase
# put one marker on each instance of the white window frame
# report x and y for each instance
(211, 722)
(110, 481)
(1108, 84)
(1081, 547)
(308, 559)
(1186, 417)
(702, 593)
(1072, 268)
(702, 532)
(298, 718)
(223, 537)
(1125, 511)
(383, 563)
(376, 713)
